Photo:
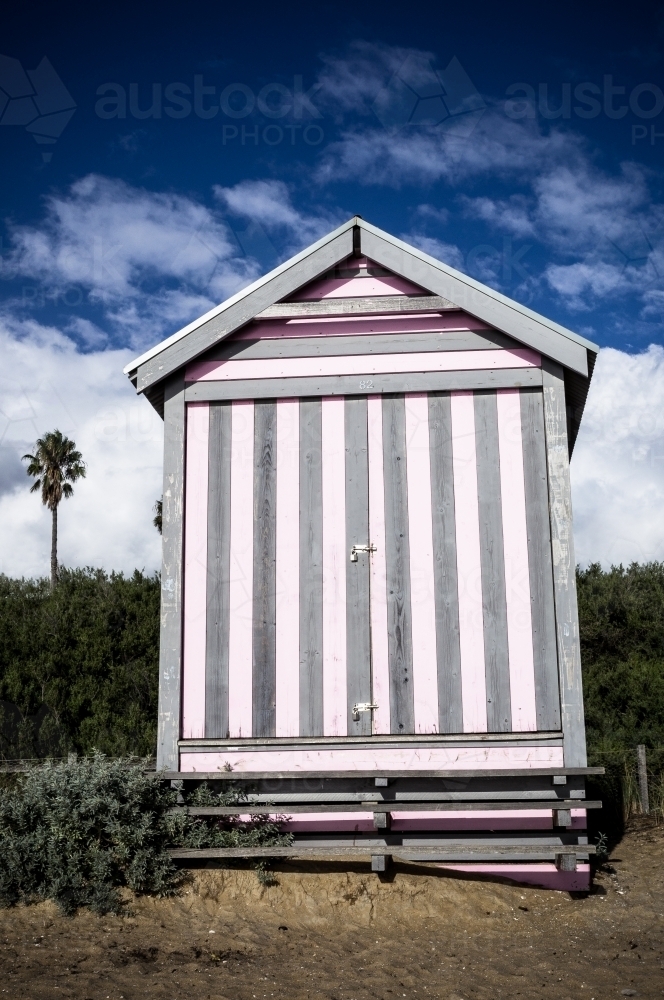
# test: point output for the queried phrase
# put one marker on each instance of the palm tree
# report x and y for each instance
(56, 463)
(158, 509)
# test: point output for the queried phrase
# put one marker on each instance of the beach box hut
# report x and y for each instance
(368, 583)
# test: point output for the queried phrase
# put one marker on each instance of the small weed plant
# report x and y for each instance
(81, 830)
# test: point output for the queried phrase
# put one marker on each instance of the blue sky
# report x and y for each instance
(156, 158)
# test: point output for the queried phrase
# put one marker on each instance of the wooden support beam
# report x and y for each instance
(450, 775)
(561, 808)
(451, 850)
(372, 305)
(564, 566)
(172, 543)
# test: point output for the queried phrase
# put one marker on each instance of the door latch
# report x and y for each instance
(360, 548)
(362, 706)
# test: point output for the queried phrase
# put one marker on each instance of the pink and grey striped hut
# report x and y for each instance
(368, 595)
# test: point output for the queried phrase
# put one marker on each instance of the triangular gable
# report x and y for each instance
(409, 272)
(355, 278)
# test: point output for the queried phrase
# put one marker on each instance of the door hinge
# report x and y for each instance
(361, 548)
(363, 706)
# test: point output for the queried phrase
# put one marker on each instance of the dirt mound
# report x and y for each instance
(342, 933)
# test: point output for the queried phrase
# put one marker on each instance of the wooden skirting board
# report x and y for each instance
(441, 851)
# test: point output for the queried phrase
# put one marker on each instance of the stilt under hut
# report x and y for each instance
(368, 607)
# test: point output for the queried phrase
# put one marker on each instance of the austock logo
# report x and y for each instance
(419, 95)
(37, 99)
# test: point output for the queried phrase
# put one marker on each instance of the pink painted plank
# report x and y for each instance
(469, 569)
(288, 569)
(422, 589)
(345, 326)
(517, 579)
(368, 758)
(333, 288)
(335, 720)
(380, 670)
(541, 874)
(240, 639)
(361, 364)
(195, 571)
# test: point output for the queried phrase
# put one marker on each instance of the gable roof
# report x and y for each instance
(359, 238)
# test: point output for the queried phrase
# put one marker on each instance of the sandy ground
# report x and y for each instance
(336, 933)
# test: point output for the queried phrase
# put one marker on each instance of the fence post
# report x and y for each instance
(643, 778)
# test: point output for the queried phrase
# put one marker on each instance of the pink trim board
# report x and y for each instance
(195, 571)
(333, 449)
(422, 601)
(367, 758)
(240, 631)
(517, 577)
(469, 567)
(361, 364)
(346, 326)
(287, 651)
(380, 670)
(342, 288)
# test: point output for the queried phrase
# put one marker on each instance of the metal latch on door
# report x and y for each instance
(360, 548)
(362, 706)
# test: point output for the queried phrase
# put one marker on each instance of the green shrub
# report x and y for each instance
(79, 664)
(78, 831)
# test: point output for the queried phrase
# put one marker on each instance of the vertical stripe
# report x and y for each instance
(517, 584)
(311, 570)
(397, 559)
(445, 565)
(547, 695)
(469, 565)
(494, 605)
(380, 670)
(334, 566)
(287, 643)
(264, 588)
(195, 571)
(420, 543)
(358, 636)
(241, 569)
(218, 565)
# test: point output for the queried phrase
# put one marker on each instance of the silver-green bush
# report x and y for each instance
(78, 831)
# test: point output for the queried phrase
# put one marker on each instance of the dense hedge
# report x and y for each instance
(621, 615)
(78, 667)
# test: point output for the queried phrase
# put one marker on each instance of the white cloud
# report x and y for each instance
(449, 253)
(153, 261)
(108, 521)
(268, 203)
(618, 462)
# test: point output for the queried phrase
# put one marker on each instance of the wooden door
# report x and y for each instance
(442, 622)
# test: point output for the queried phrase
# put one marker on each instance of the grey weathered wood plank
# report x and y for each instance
(564, 567)
(218, 571)
(540, 570)
(397, 558)
(358, 638)
(284, 283)
(352, 385)
(366, 343)
(450, 775)
(311, 569)
(265, 563)
(492, 557)
(499, 805)
(397, 850)
(495, 311)
(170, 634)
(357, 306)
(448, 653)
